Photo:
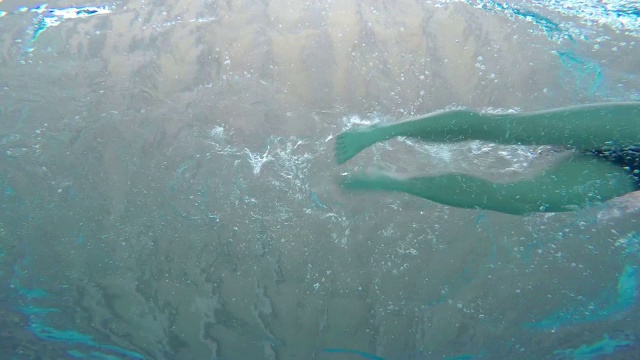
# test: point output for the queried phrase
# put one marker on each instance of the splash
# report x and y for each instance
(548, 27)
(587, 74)
(630, 243)
(619, 15)
(258, 160)
(361, 354)
(606, 346)
(47, 18)
(625, 300)
(36, 315)
(53, 17)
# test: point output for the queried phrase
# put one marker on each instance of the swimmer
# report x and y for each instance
(605, 163)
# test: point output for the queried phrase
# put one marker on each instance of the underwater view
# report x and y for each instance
(169, 186)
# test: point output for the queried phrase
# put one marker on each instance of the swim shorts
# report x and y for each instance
(628, 157)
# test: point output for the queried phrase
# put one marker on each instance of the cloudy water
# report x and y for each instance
(167, 182)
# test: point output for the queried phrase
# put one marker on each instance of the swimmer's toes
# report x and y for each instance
(341, 151)
(342, 156)
(346, 147)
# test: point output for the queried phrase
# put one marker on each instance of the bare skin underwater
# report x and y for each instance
(580, 180)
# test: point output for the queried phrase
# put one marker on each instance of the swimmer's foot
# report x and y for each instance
(374, 180)
(352, 141)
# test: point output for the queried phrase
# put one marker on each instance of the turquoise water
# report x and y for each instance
(168, 188)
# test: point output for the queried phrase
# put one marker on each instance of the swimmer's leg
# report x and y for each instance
(584, 127)
(578, 182)
(441, 126)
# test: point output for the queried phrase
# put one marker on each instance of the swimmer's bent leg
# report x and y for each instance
(567, 186)
(457, 190)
